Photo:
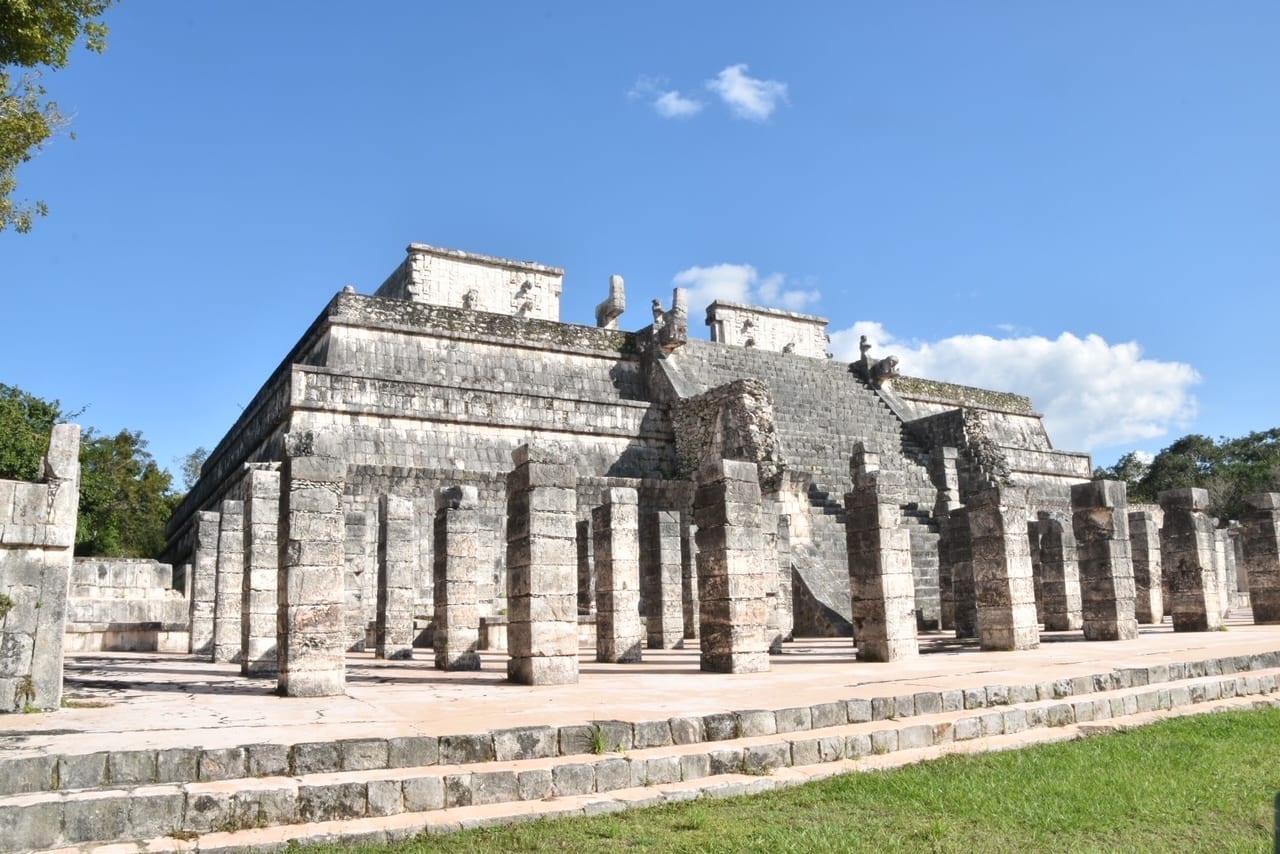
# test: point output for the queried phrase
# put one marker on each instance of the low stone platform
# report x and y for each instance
(170, 753)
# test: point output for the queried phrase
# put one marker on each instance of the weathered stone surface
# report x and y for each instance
(881, 582)
(312, 639)
(1148, 574)
(661, 571)
(397, 565)
(733, 580)
(456, 570)
(1186, 549)
(259, 591)
(228, 582)
(1059, 573)
(1260, 545)
(542, 586)
(37, 531)
(615, 535)
(1100, 521)
(204, 581)
(955, 559)
(1002, 570)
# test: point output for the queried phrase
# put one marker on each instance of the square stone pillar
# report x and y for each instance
(1144, 546)
(1037, 579)
(660, 570)
(228, 582)
(1002, 570)
(1260, 544)
(1059, 574)
(1186, 552)
(397, 564)
(360, 574)
(689, 579)
(204, 583)
(1100, 520)
(586, 577)
(732, 587)
(616, 543)
(881, 583)
(260, 598)
(456, 570)
(784, 615)
(311, 634)
(955, 563)
(542, 570)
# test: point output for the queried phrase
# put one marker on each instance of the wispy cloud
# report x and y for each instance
(742, 283)
(1093, 394)
(668, 103)
(748, 97)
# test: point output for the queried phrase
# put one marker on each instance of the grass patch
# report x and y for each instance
(1201, 783)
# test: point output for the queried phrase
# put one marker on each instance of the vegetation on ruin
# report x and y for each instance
(1199, 783)
(125, 497)
(36, 36)
(1229, 469)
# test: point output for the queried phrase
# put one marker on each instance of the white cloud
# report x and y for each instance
(668, 103)
(1093, 394)
(741, 283)
(748, 97)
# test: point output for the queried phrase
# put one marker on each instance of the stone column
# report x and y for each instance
(881, 583)
(1220, 568)
(204, 583)
(661, 573)
(360, 572)
(785, 610)
(542, 572)
(955, 558)
(311, 636)
(228, 582)
(261, 570)
(733, 611)
(689, 579)
(946, 478)
(1060, 574)
(397, 563)
(456, 572)
(1186, 551)
(1237, 548)
(1002, 570)
(1144, 544)
(1260, 545)
(586, 578)
(615, 542)
(1100, 520)
(1037, 578)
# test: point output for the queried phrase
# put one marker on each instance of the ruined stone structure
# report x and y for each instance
(1101, 524)
(1186, 551)
(1002, 581)
(616, 524)
(1148, 572)
(37, 533)
(1260, 544)
(458, 359)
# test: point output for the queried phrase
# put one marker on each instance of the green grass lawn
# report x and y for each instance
(1201, 783)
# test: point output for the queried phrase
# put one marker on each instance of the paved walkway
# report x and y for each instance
(122, 701)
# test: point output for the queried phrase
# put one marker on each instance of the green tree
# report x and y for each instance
(35, 36)
(25, 424)
(1229, 469)
(125, 498)
(191, 465)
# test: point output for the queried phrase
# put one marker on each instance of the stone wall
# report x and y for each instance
(37, 534)
(439, 276)
(125, 604)
(768, 329)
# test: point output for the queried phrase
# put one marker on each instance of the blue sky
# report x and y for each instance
(1079, 202)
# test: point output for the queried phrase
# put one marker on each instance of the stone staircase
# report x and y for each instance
(268, 795)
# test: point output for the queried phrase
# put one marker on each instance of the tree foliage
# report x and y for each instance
(1229, 469)
(36, 35)
(25, 424)
(125, 498)
(191, 465)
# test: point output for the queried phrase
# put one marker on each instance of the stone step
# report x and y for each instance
(236, 816)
